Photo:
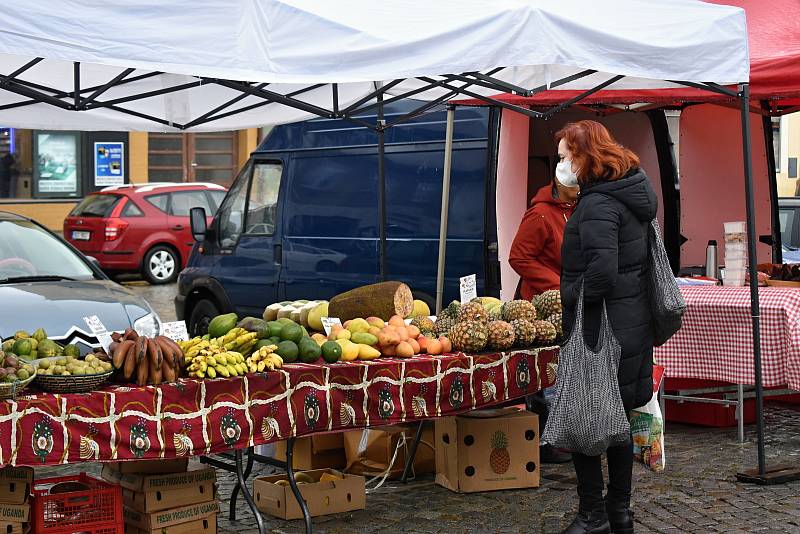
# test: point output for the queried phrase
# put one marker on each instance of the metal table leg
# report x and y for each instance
(246, 492)
(740, 410)
(412, 454)
(235, 493)
(295, 489)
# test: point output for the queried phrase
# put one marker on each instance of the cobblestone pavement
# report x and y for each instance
(697, 493)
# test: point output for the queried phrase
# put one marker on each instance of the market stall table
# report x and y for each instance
(716, 343)
(198, 418)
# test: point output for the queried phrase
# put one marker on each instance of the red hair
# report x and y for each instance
(596, 156)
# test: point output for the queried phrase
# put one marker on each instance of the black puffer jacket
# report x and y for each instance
(605, 246)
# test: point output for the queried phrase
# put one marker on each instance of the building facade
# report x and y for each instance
(53, 170)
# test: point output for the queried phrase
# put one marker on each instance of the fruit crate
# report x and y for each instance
(83, 504)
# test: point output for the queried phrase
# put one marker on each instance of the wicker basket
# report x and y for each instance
(10, 390)
(71, 383)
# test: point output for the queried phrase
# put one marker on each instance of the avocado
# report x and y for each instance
(309, 350)
(288, 351)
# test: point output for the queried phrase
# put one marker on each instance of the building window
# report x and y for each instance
(776, 142)
(196, 157)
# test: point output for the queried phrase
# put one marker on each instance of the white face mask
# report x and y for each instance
(565, 175)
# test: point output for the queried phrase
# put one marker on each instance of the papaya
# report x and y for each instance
(222, 324)
(22, 347)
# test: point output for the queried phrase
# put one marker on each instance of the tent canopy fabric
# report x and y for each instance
(774, 39)
(234, 62)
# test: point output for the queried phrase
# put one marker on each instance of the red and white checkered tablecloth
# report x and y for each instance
(716, 340)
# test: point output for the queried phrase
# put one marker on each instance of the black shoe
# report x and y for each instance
(550, 455)
(589, 523)
(620, 519)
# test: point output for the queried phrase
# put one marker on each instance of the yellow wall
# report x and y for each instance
(790, 148)
(48, 214)
(137, 152)
(248, 141)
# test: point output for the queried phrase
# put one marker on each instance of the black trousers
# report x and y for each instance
(589, 470)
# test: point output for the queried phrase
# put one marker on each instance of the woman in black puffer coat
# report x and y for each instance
(605, 249)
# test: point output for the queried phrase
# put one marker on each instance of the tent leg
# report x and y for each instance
(381, 190)
(753, 261)
(448, 163)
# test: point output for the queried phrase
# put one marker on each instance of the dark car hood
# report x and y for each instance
(59, 307)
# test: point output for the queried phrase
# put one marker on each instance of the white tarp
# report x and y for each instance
(290, 44)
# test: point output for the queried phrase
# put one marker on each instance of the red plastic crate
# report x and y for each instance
(94, 511)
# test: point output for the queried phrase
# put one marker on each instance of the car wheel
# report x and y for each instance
(200, 316)
(161, 265)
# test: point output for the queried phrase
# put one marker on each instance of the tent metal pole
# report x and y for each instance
(448, 164)
(744, 95)
(381, 189)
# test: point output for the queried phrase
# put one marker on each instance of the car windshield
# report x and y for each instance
(96, 206)
(28, 252)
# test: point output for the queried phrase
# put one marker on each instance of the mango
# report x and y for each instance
(358, 325)
(364, 338)
(365, 352)
(315, 316)
(350, 350)
(319, 338)
(377, 322)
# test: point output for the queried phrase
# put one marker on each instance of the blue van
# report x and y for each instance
(301, 219)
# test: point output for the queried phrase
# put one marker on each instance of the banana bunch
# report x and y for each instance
(264, 359)
(237, 340)
(215, 362)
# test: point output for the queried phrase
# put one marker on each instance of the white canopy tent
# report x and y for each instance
(195, 66)
(199, 66)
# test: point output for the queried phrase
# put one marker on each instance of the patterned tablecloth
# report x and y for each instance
(716, 340)
(195, 417)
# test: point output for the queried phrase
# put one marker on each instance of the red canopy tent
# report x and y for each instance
(774, 39)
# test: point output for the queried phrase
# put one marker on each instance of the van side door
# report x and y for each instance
(250, 252)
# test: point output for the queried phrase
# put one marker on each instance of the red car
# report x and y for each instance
(141, 228)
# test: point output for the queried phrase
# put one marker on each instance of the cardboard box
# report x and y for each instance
(157, 500)
(12, 527)
(201, 526)
(370, 451)
(169, 518)
(468, 460)
(15, 485)
(331, 497)
(151, 467)
(15, 513)
(197, 475)
(323, 451)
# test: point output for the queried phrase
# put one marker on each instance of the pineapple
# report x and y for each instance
(501, 335)
(423, 323)
(524, 332)
(519, 309)
(545, 332)
(453, 309)
(548, 303)
(444, 324)
(473, 311)
(557, 320)
(496, 313)
(469, 336)
(499, 459)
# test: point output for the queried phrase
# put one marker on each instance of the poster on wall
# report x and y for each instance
(109, 164)
(56, 164)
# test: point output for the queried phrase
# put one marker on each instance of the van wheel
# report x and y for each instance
(161, 265)
(199, 318)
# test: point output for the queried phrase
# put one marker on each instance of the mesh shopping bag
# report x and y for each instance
(587, 415)
(666, 302)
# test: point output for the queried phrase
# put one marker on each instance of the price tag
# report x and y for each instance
(468, 288)
(175, 330)
(99, 330)
(329, 322)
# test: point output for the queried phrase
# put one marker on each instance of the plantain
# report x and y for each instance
(120, 352)
(130, 362)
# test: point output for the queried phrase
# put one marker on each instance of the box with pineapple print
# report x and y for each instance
(488, 450)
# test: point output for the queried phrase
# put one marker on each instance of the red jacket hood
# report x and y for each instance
(545, 196)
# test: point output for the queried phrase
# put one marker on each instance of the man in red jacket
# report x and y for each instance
(536, 251)
(536, 257)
